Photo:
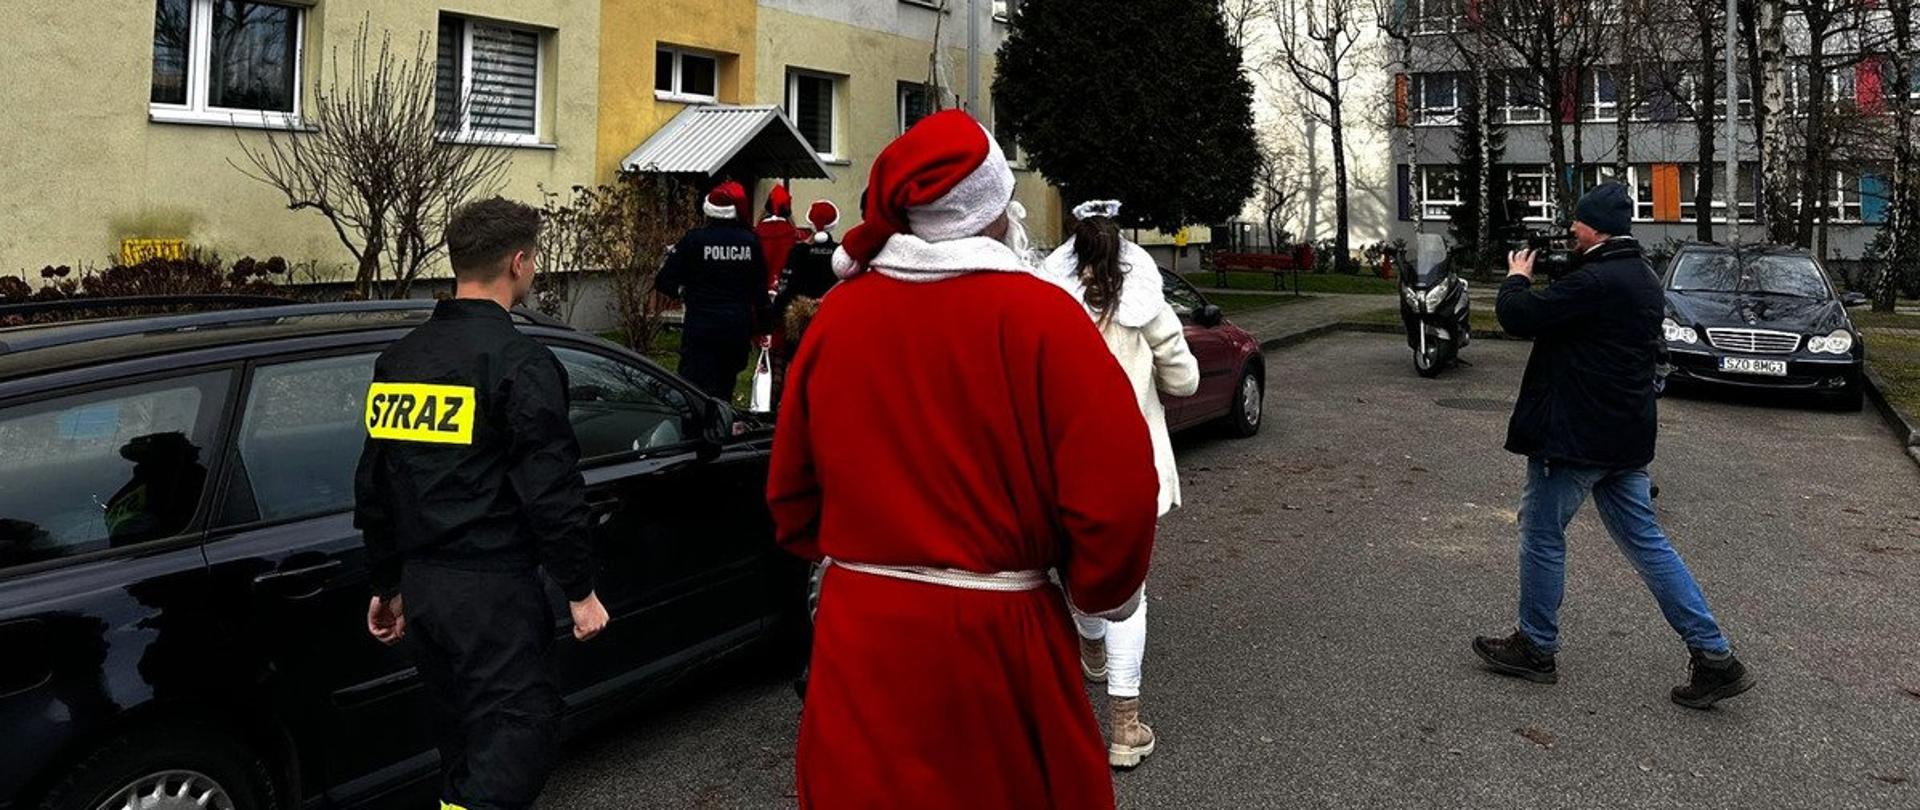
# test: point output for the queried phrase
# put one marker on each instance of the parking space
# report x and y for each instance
(1314, 599)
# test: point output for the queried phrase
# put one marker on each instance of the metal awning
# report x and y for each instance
(704, 139)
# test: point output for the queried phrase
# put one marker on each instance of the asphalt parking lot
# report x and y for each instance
(1314, 599)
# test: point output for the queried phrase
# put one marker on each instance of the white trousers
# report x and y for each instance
(1126, 647)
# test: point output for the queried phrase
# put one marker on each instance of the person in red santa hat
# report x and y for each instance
(777, 234)
(719, 272)
(807, 278)
(954, 428)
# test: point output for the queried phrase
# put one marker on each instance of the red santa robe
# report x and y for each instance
(971, 421)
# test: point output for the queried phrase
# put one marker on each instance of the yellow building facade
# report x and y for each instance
(127, 121)
(122, 125)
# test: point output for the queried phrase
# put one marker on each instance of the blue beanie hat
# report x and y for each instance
(1608, 208)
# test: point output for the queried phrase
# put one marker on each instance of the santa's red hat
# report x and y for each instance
(726, 200)
(780, 202)
(944, 179)
(823, 216)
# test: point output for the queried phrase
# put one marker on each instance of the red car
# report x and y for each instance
(1233, 375)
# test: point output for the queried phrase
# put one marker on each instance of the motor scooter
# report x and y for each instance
(1435, 308)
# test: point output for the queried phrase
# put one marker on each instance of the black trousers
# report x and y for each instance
(712, 359)
(483, 647)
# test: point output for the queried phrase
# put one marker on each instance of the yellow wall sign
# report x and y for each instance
(135, 251)
(1180, 238)
(411, 412)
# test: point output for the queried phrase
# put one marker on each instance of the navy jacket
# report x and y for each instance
(1588, 394)
(721, 273)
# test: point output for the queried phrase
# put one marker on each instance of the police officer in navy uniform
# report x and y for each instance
(468, 486)
(720, 272)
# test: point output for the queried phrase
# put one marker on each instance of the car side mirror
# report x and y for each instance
(1208, 316)
(1855, 299)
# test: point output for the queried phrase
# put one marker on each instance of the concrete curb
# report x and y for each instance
(1314, 332)
(1905, 427)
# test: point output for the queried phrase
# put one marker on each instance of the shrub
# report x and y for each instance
(193, 275)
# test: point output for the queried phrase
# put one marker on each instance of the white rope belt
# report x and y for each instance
(1004, 581)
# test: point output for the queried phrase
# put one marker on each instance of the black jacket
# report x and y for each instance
(721, 273)
(470, 460)
(1588, 394)
(809, 273)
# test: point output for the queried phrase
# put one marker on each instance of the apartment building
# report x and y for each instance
(1663, 141)
(128, 121)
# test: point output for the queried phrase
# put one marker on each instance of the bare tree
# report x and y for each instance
(1277, 188)
(1556, 43)
(1906, 158)
(1828, 27)
(1398, 21)
(1317, 39)
(1242, 18)
(373, 156)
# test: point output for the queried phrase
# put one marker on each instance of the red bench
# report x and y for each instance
(1296, 261)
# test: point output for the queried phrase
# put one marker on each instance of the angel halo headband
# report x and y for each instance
(1097, 208)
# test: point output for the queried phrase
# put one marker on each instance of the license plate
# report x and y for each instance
(1748, 365)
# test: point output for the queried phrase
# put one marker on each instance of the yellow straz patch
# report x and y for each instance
(410, 412)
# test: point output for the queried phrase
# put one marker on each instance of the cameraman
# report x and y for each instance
(1585, 419)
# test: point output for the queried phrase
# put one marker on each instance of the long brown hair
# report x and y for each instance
(1096, 247)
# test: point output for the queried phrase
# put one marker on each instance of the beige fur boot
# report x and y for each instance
(1093, 659)
(1132, 739)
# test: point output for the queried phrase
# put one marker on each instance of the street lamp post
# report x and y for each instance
(1733, 127)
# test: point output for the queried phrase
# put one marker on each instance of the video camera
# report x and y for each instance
(1553, 251)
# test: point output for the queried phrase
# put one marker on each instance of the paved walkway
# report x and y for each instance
(1272, 323)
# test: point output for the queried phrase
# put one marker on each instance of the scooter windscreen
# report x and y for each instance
(1431, 277)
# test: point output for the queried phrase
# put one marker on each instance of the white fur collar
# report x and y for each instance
(907, 257)
(1141, 292)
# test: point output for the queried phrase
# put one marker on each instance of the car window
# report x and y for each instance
(301, 435)
(106, 468)
(1185, 299)
(619, 407)
(1776, 275)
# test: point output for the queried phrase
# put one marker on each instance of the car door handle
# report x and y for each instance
(297, 583)
(602, 509)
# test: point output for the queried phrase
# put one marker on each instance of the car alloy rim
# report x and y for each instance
(1250, 399)
(170, 790)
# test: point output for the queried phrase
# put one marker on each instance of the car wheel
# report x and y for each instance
(1249, 398)
(174, 769)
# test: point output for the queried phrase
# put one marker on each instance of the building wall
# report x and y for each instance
(86, 168)
(632, 31)
(874, 45)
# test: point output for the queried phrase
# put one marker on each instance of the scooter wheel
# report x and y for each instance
(1427, 364)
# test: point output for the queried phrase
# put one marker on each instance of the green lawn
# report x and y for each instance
(1866, 318)
(1309, 283)
(1897, 359)
(666, 352)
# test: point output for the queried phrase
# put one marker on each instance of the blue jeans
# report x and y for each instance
(1625, 500)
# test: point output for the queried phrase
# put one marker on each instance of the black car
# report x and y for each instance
(1761, 318)
(183, 595)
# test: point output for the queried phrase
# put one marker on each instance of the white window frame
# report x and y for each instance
(1511, 113)
(1543, 209)
(1749, 204)
(1447, 19)
(900, 103)
(200, 72)
(678, 94)
(466, 133)
(1591, 107)
(1840, 208)
(835, 131)
(1432, 208)
(1003, 10)
(1595, 174)
(1425, 117)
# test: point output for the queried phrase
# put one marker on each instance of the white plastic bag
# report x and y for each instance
(762, 401)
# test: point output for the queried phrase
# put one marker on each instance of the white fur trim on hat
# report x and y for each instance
(973, 203)
(720, 211)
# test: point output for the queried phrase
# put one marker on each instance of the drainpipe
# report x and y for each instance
(973, 56)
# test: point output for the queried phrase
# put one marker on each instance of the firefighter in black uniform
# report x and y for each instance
(806, 279)
(467, 486)
(720, 272)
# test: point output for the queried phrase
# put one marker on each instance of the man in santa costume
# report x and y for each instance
(777, 234)
(954, 428)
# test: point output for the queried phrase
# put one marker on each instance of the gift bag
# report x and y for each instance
(762, 401)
